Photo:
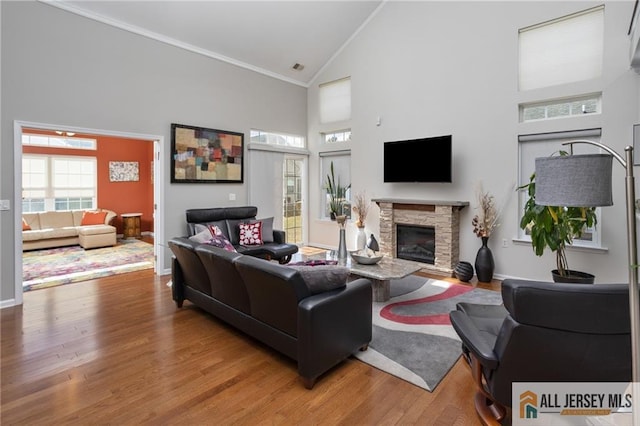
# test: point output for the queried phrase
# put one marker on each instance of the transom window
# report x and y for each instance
(561, 108)
(278, 139)
(59, 141)
(58, 183)
(340, 136)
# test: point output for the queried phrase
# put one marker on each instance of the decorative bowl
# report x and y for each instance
(364, 259)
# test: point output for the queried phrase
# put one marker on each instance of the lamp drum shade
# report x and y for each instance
(574, 180)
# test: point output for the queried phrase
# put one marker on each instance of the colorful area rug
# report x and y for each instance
(64, 265)
(412, 336)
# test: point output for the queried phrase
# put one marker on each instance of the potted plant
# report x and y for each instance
(337, 194)
(555, 227)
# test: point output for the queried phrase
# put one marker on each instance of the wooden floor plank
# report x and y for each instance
(117, 350)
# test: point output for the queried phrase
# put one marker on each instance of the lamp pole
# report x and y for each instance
(632, 250)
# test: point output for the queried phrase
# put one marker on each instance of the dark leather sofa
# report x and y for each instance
(546, 332)
(228, 219)
(274, 304)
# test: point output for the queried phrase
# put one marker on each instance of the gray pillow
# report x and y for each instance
(323, 277)
(202, 236)
(267, 229)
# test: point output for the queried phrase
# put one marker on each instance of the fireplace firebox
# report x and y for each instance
(416, 243)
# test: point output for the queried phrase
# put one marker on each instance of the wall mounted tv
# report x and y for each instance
(418, 160)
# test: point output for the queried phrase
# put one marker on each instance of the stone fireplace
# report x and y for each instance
(420, 216)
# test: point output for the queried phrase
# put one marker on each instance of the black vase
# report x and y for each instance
(484, 262)
(464, 271)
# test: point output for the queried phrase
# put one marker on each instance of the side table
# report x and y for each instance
(131, 222)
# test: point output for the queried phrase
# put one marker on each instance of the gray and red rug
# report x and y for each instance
(412, 336)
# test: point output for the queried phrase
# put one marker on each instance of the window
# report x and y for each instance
(278, 139)
(335, 101)
(342, 172)
(59, 141)
(563, 50)
(58, 183)
(533, 146)
(341, 136)
(561, 108)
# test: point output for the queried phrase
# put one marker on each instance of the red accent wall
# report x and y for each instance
(121, 197)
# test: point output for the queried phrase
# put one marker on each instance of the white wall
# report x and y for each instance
(434, 68)
(61, 68)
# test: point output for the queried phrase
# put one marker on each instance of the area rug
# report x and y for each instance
(412, 336)
(64, 265)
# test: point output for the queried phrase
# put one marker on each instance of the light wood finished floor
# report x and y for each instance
(118, 351)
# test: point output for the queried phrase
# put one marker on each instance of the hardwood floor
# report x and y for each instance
(118, 351)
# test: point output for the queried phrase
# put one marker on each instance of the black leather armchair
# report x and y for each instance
(546, 332)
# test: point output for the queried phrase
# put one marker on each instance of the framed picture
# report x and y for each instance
(124, 171)
(636, 144)
(200, 155)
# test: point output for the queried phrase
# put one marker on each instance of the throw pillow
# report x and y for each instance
(25, 225)
(323, 277)
(267, 229)
(251, 234)
(213, 230)
(201, 237)
(221, 241)
(93, 218)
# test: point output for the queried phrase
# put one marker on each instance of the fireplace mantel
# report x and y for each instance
(409, 202)
(444, 216)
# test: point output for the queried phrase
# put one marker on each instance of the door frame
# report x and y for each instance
(158, 189)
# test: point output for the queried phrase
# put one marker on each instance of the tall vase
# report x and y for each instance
(484, 262)
(361, 239)
(342, 246)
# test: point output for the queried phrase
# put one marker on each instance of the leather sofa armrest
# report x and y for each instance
(279, 236)
(333, 325)
(472, 339)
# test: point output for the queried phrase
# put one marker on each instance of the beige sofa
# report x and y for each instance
(64, 228)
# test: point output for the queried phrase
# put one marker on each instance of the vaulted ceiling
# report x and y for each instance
(267, 36)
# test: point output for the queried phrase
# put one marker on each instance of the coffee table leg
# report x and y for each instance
(381, 290)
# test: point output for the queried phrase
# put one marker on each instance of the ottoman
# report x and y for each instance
(93, 236)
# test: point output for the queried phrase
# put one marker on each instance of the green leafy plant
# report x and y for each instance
(337, 193)
(554, 227)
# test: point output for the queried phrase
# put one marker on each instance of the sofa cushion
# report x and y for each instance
(56, 219)
(25, 225)
(250, 234)
(201, 237)
(96, 230)
(323, 278)
(93, 218)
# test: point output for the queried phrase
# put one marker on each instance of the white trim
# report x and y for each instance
(158, 190)
(258, 146)
(171, 41)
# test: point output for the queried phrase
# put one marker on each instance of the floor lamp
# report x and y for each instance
(585, 181)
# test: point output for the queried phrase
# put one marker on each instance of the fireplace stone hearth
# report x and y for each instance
(442, 216)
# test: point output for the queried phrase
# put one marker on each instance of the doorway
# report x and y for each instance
(156, 176)
(292, 217)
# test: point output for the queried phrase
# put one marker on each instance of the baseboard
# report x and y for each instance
(7, 303)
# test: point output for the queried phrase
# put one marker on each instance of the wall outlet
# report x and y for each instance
(232, 196)
(505, 243)
(5, 205)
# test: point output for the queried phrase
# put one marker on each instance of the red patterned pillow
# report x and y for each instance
(251, 234)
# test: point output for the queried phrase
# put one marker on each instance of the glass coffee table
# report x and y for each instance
(380, 274)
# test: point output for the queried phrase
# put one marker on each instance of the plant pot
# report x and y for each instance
(573, 277)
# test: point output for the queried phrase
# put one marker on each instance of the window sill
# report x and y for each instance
(579, 248)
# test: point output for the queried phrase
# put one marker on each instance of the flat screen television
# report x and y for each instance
(418, 160)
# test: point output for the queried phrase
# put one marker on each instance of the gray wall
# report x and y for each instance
(64, 69)
(433, 68)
